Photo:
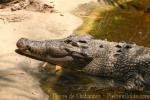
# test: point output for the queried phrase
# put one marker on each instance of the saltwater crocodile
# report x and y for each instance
(128, 63)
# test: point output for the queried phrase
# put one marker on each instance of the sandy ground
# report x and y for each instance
(19, 76)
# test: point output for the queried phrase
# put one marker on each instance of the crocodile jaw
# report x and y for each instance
(51, 51)
(40, 50)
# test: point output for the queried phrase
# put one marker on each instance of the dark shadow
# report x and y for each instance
(71, 85)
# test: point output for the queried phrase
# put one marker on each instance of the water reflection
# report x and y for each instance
(67, 84)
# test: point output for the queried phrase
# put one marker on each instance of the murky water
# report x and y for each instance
(131, 24)
(128, 25)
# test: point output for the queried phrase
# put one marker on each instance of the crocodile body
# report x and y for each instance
(128, 63)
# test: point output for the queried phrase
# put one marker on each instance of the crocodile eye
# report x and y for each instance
(82, 41)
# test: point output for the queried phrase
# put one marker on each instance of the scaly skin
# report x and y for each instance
(128, 63)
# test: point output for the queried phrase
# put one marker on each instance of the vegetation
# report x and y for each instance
(130, 24)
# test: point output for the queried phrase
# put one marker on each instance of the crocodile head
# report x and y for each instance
(68, 52)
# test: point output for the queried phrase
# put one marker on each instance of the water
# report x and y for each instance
(131, 24)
